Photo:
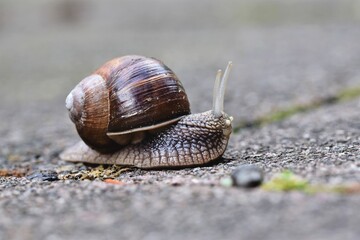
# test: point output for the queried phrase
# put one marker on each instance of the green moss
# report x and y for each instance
(276, 116)
(348, 94)
(283, 114)
(286, 181)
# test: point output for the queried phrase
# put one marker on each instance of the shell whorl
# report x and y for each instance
(88, 108)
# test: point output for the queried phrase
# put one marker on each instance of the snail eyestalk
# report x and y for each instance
(219, 90)
(216, 107)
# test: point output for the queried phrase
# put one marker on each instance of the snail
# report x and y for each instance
(133, 111)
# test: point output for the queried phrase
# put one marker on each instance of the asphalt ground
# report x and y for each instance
(282, 59)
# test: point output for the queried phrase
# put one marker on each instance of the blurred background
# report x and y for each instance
(285, 52)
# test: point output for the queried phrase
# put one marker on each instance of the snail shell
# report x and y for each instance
(133, 111)
(125, 99)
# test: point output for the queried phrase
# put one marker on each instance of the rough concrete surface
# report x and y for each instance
(284, 53)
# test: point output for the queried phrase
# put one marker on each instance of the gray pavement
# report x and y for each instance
(285, 54)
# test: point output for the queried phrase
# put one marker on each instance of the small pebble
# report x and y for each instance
(226, 182)
(43, 175)
(247, 176)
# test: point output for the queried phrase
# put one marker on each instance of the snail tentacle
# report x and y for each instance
(219, 90)
(216, 106)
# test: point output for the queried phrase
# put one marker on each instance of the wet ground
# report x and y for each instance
(285, 54)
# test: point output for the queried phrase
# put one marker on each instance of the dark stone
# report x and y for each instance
(43, 175)
(247, 176)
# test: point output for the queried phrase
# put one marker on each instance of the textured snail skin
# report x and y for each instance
(195, 140)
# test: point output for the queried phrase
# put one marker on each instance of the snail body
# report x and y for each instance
(134, 111)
